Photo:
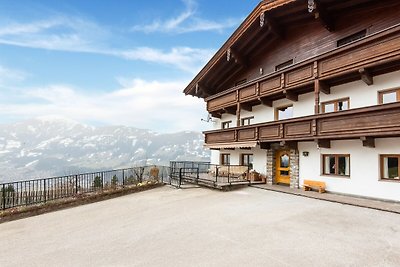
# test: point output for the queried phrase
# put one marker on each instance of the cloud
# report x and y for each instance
(155, 105)
(78, 35)
(185, 22)
(9, 76)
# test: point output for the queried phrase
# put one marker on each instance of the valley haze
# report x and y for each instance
(53, 146)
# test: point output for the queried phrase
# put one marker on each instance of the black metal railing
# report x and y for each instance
(207, 173)
(29, 192)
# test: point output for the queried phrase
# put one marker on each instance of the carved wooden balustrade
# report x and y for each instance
(362, 59)
(365, 123)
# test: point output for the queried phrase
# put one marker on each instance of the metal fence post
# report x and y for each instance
(123, 177)
(44, 189)
(76, 184)
(3, 192)
(180, 178)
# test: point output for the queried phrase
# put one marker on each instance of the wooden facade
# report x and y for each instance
(286, 48)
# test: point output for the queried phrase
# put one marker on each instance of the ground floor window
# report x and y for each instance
(247, 160)
(336, 165)
(225, 159)
(390, 167)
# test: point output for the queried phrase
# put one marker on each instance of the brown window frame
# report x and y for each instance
(242, 156)
(383, 92)
(336, 104)
(336, 174)
(246, 119)
(226, 123)
(381, 159)
(351, 38)
(240, 82)
(277, 113)
(222, 159)
(284, 65)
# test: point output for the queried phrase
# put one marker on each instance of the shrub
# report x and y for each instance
(114, 181)
(97, 182)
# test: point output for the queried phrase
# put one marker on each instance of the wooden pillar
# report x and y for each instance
(238, 114)
(316, 95)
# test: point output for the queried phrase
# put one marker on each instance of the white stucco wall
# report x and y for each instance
(360, 94)
(364, 168)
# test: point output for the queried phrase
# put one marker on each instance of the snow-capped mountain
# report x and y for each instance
(49, 146)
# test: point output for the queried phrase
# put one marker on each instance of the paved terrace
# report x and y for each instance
(202, 227)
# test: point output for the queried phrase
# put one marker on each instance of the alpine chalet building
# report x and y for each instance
(310, 90)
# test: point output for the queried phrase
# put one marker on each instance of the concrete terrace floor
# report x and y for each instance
(202, 227)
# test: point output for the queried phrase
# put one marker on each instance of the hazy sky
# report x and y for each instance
(110, 62)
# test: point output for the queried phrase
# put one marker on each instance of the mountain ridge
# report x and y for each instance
(45, 147)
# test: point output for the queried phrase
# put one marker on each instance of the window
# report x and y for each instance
(354, 37)
(284, 65)
(225, 159)
(240, 82)
(336, 165)
(284, 113)
(390, 167)
(389, 96)
(247, 160)
(246, 121)
(335, 105)
(226, 124)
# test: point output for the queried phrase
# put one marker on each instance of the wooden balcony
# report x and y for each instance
(365, 123)
(373, 55)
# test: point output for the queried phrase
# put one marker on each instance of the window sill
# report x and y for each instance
(390, 180)
(336, 176)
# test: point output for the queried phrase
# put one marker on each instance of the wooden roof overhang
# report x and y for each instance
(265, 24)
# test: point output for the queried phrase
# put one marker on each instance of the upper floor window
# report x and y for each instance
(390, 167)
(284, 65)
(336, 165)
(246, 121)
(335, 105)
(240, 82)
(389, 96)
(351, 38)
(247, 160)
(284, 113)
(225, 159)
(226, 124)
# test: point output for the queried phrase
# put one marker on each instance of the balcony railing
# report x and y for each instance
(369, 53)
(375, 121)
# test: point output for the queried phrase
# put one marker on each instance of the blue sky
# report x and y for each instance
(104, 62)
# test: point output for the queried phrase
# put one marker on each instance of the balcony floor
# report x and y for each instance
(200, 227)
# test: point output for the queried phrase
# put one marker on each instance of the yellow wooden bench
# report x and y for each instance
(310, 184)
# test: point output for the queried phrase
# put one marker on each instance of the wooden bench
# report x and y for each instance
(310, 184)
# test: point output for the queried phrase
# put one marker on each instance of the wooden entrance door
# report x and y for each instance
(282, 167)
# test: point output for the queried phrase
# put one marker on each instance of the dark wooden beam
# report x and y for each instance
(229, 148)
(368, 141)
(215, 149)
(323, 143)
(289, 144)
(264, 145)
(366, 76)
(231, 111)
(291, 96)
(238, 58)
(321, 14)
(246, 107)
(324, 88)
(216, 115)
(274, 28)
(265, 101)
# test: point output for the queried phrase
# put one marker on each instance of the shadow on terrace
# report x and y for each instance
(211, 175)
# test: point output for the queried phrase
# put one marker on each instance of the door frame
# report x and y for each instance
(282, 179)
